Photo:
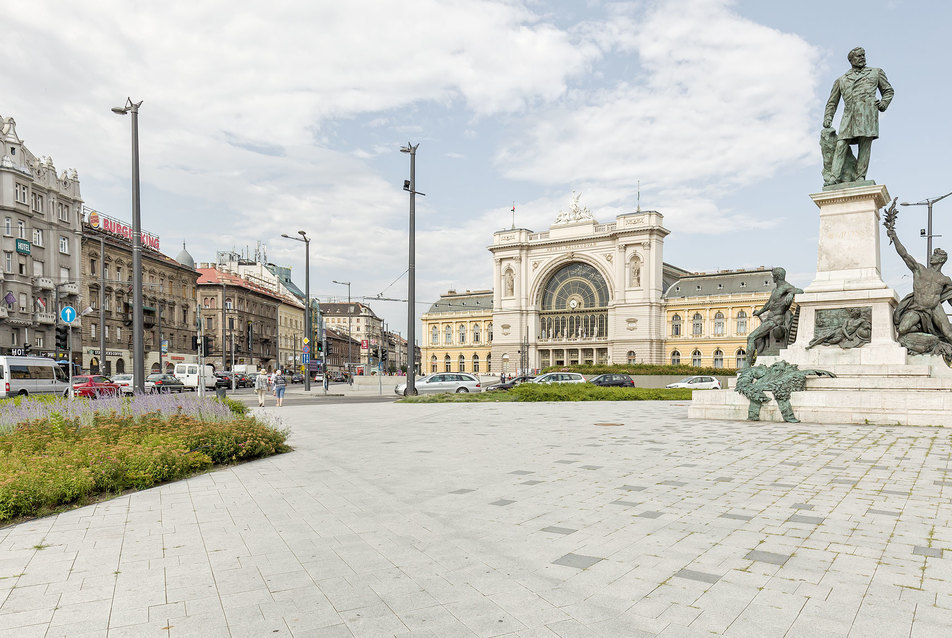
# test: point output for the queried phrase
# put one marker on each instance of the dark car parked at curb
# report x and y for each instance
(166, 383)
(511, 383)
(613, 381)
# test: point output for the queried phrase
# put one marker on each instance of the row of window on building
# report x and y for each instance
(720, 324)
(461, 364)
(740, 357)
(461, 333)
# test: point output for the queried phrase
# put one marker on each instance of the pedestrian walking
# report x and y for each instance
(280, 385)
(261, 386)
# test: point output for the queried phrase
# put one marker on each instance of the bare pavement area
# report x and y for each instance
(531, 520)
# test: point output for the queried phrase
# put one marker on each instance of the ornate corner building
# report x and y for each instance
(709, 316)
(457, 333)
(581, 292)
(40, 216)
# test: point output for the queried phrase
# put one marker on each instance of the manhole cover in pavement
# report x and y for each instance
(607, 424)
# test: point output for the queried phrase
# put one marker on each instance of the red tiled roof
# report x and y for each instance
(215, 276)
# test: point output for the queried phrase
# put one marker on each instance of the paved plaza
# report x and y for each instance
(532, 520)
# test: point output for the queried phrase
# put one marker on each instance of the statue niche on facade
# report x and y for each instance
(780, 379)
(775, 316)
(920, 319)
(859, 123)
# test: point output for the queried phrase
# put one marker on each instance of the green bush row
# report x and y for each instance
(682, 370)
(558, 392)
(49, 463)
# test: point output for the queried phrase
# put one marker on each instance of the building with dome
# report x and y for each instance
(168, 292)
(581, 292)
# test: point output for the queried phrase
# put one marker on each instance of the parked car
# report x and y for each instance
(560, 377)
(93, 386)
(242, 380)
(124, 381)
(613, 381)
(222, 380)
(443, 382)
(508, 385)
(297, 377)
(31, 375)
(166, 383)
(699, 382)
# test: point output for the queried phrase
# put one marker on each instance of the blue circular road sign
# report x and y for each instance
(68, 314)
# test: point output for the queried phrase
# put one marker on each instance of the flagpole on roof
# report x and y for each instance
(513, 215)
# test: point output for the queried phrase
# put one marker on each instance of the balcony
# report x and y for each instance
(43, 283)
(71, 288)
(46, 318)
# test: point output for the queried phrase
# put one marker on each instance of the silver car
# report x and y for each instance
(699, 382)
(560, 377)
(443, 382)
(124, 381)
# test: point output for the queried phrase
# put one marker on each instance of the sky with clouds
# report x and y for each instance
(261, 120)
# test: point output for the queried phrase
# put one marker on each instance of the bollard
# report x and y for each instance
(220, 392)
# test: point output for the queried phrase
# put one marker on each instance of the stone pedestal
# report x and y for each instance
(848, 275)
(878, 382)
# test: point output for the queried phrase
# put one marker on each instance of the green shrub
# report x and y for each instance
(236, 407)
(682, 370)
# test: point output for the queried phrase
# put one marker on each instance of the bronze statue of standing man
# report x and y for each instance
(861, 108)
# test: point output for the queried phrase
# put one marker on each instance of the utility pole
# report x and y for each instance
(102, 305)
(410, 185)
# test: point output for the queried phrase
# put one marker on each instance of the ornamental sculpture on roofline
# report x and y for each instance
(575, 213)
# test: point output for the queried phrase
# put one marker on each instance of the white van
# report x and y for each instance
(188, 374)
(31, 375)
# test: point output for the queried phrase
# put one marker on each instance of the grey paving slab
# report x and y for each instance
(382, 523)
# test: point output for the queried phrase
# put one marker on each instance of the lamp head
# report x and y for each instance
(286, 236)
(302, 234)
(905, 204)
(120, 110)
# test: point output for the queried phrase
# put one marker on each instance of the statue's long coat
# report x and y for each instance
(858, 90)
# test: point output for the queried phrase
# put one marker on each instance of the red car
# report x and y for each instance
(94, 386)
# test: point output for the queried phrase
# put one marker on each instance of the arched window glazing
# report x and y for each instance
(696, 358)
(675, 358)
(697, 325)
(718, 358)
(741, 322)
(676, 326)
(719, 324)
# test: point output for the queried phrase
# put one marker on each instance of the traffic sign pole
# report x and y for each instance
(68, 315)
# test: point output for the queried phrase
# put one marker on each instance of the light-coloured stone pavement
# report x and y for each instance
(532, 520)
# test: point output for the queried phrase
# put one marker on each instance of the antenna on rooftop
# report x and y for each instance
(639, 196)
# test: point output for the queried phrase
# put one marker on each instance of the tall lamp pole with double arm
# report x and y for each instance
(410, 186)
(138, 344)
(927, 232)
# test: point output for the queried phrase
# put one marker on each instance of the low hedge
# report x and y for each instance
(526, 392)
(45, 464)
(682, 370)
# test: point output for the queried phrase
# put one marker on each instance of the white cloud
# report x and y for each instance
(719, 102)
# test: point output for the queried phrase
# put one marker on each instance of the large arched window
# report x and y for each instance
(631, 357)
(462, 363)
(696, 358)
(448, 335)
(433, 363)
(476, 363)
(462, 333)
(120, 366)
(719, 324)
(675, 358)
(434, 335)
(447, 362)
(574, 305)
(475, 333)
(697, 324)
(489, 363)
(718, 358)
(741, 359)
(676, 326)
(489, 331)
(741, 322)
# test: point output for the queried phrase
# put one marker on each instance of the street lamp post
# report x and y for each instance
(307, 296)
(927, 232)
(410, 185)
(350, 338)
(138, 349)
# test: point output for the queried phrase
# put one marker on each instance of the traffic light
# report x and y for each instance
(328, 351)
(206, 345)
(62, 337)
(320, 347)
(384, 355)
(194, 342)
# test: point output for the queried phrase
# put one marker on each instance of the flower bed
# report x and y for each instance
(84, 451)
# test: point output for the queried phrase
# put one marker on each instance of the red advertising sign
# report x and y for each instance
(115, 227)
(363, 344)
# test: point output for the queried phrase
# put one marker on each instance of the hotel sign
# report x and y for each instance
(23, 247)
(115, 227)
